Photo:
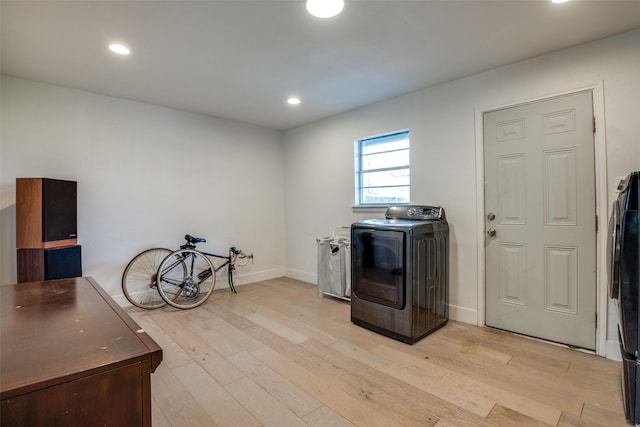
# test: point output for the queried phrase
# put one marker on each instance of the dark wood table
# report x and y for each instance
(71, 356)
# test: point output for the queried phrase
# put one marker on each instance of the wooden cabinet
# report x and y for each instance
(72, 357)
(46, 220)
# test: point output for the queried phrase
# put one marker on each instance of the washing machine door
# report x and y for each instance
(613, 248)
(378, 266)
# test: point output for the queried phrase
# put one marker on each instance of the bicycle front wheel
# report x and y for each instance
(186, 278)
(139, 278)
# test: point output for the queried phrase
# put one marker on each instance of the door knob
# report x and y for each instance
(491, 216)
(491, 232)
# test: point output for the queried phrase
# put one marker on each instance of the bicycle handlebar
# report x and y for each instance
(238, 252)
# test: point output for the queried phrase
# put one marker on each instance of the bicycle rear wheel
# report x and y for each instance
(139, 278)
(188, 289)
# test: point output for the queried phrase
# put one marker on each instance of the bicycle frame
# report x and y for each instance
(203, 275)
(230, 261)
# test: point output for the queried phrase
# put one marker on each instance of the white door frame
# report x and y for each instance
(601, 205)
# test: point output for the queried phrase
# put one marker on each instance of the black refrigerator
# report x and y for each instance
(624, 284)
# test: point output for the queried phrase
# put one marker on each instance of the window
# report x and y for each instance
(382, 169)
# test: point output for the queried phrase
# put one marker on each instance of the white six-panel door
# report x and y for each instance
(540, 220)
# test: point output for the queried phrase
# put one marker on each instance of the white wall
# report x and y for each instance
(146, 176)
(319, 156)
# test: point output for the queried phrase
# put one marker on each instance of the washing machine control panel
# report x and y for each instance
(415, 212)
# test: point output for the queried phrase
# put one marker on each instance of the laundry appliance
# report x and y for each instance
(400, 272)
(624, 282)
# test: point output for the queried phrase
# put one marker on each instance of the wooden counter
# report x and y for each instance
(69, 355)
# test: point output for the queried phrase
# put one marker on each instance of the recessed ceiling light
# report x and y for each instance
(559, 1)
(325, 8)
(293, 101)
(119, 49)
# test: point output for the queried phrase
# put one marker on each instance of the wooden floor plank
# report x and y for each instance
(325, 417)
(157, 416)
(228, 339)
(500, 415)
(508, 400)
(262, 405)
(347, 406)
(570, 420)
(408, 407)
(523, 381)
(164, 383)
(220, 310)
(289, 395)
(433, 382)
(604, 416)
(203, 352)
(277, 354)
(541, 361)
(183, 410)
(172, 354)
(277, 328)
(474, 349)
(298, 323)
(217, 403)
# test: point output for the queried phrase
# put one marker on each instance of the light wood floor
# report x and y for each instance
(276, 354)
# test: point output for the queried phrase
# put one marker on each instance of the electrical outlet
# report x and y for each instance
(617, 181)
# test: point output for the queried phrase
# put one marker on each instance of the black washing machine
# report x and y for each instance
(400, 272)
(624, 282)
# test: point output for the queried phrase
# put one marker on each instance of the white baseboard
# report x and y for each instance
(246, 278)
(302, 276)
(463, 314)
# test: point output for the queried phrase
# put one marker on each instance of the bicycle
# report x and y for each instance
(186, 277)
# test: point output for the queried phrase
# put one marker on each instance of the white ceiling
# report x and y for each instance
(241, 59)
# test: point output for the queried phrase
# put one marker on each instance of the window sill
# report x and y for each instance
(370, 208)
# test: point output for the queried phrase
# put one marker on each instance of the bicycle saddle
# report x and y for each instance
(192, 239)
